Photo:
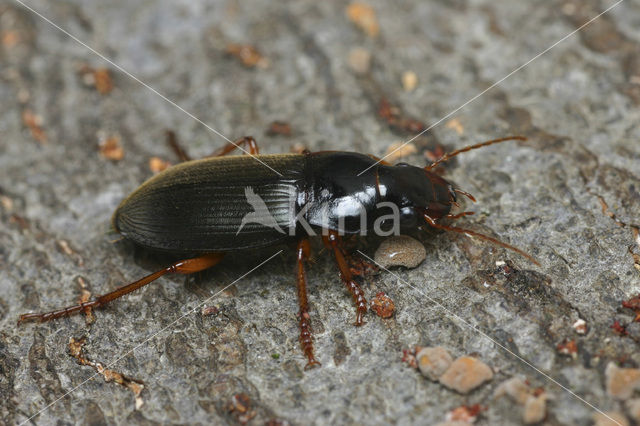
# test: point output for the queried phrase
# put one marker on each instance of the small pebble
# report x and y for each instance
(621, 382)
(157, 164)
(612, 418)
(433, 362)
(409, 81)
(535, 409)
(456, 126)
(398, 150)
(364, 17)
(515, 388)
(534, 401)
(400, 250)
(465, 374)
(360, 60)
(580, 326)
(111, 149)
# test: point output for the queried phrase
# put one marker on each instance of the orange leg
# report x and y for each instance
(172, 140)
(379, 160)
(188, 266)
(334, 242)
(306, 340)
(247, 141)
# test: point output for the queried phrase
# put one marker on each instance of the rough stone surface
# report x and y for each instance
(633, 408)
(578, 104)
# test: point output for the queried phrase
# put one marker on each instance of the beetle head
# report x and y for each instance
(417, 191)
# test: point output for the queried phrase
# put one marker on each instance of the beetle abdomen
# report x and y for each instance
(215, 204)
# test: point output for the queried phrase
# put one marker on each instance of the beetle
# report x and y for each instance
(206, 208)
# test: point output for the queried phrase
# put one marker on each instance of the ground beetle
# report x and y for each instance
(206, 208)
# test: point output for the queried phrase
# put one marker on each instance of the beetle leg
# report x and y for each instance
(188, 266)
(334, 242)
(247, 141)
(306, 340)
(172, 140)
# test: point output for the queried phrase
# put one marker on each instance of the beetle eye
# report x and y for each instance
(403, 165)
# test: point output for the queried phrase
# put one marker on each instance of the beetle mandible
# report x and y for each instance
(200, 208)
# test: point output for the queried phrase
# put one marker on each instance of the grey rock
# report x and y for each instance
(577, 104)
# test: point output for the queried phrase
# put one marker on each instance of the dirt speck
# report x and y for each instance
(364, 17)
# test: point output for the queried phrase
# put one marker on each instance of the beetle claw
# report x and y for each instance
(313, 363)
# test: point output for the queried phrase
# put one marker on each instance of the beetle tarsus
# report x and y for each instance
(333, 241)
(247, 141)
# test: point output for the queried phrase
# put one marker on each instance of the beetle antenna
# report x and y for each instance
(470, 233)
(447, 156)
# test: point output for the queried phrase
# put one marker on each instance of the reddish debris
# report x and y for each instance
(382, 305)
(619, 329)
(240, 405)
(538, 391)
(568, 347)
(20, 221)
(210, 310)
(409, 357)
(111, 149)
(33, 122)
(634, 305)
(248, 55)
(279, 128)
(100, 78)
(395, 118)
(466, 413)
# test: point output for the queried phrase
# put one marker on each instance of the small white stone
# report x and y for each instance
(515, 388)
(433, 362)
(535, 409)
(621, 382)
(580, 326)
(400, 250)
(465, 374)
(612, 418)
(409, 81)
